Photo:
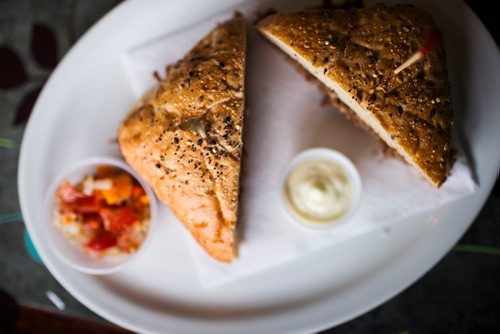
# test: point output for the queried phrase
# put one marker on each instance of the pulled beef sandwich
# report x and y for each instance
(186, 139)
(354, 53)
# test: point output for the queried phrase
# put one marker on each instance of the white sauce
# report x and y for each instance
(319, 190)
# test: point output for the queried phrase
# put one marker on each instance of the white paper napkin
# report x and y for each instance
(284, 117)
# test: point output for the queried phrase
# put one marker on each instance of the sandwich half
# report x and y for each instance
(185, 139)
(354, 53)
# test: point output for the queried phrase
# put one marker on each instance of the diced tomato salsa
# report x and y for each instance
(105, 213)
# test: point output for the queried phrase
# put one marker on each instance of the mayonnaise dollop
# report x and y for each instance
(319, 190)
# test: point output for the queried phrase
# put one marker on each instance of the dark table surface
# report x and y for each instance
(461, 294)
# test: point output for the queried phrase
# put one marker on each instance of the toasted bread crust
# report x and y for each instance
(186, 140)
(359, 50)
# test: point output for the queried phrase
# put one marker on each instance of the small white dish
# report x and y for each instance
(351, 173)
(75, 256)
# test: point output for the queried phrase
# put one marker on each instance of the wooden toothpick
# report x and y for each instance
(430, 43)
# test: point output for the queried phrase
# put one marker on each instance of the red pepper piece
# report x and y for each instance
(92, 220)
(117, 220)
(102, 241)
(137, 191)
(87, 204)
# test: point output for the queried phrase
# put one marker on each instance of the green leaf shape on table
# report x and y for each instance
(6, 143)
(11, 218)
(466, 248)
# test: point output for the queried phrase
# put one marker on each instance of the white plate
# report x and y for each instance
(83, 103)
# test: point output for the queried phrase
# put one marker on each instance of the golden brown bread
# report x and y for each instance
(355, 52)
(186, 140)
